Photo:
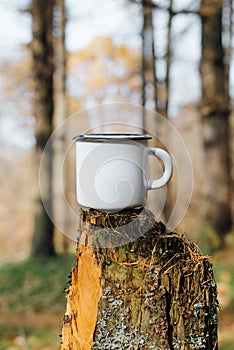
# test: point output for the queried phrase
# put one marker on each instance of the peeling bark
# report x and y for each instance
(157, 291)
(80, 319)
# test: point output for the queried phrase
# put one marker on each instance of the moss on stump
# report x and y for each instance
(157, 291)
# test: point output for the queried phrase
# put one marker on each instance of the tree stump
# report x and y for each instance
(157, 291)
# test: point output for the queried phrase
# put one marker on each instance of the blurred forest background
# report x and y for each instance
(61, 56)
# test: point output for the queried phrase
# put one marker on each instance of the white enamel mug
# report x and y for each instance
(112, 170)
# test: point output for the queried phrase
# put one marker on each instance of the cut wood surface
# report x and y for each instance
(157, 291)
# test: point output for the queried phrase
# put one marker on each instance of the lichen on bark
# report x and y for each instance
(158, 290)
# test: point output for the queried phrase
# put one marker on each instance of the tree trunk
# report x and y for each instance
(215, 120)
(60, 110)
(148, 67)
(42, 50)
(155, 292)
(164, 110)
(168, 59)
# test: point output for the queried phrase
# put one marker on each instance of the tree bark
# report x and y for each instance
(42, 51)
(60, 110)
(148, 66)
(215, 120)
(155, 292)
(168, 59)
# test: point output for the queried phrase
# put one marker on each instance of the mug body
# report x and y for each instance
(111, 170)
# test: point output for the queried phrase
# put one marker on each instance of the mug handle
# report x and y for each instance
(168, 168)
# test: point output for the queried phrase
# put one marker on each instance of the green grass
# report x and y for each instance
(227, 346)
(224, 275)
(35, 285)
(32, 302)
(19, 338)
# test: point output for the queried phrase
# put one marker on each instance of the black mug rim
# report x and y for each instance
(111, 137)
